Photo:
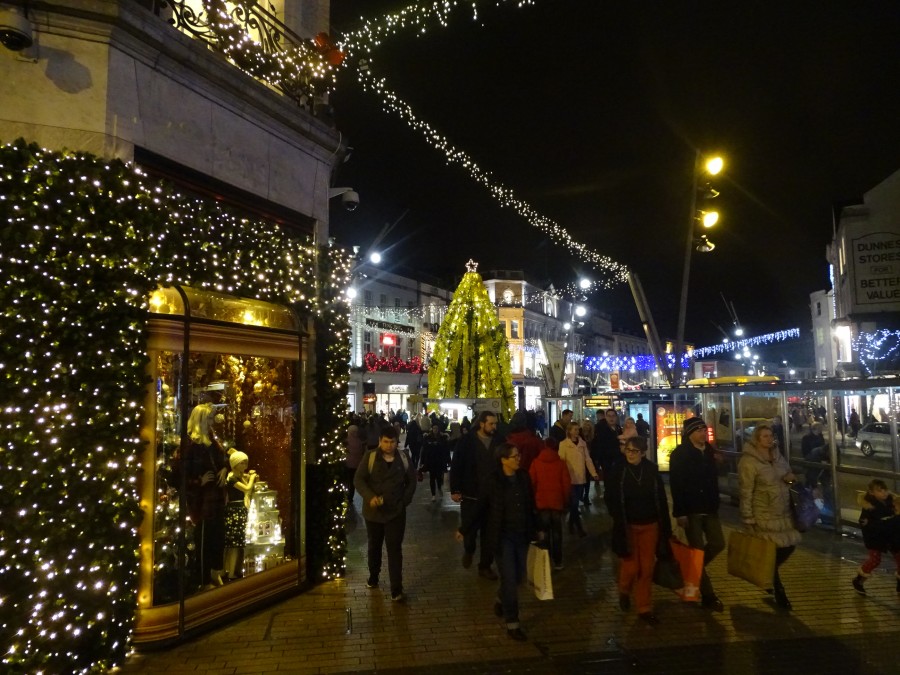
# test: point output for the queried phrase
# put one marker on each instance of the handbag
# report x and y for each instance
(690, 564)
(751, 558)
(538, 569)
(666, 572)
(804, 511)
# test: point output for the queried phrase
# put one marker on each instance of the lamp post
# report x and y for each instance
(578, 312)
(707, 218)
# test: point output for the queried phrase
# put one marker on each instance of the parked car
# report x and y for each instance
(874, 437)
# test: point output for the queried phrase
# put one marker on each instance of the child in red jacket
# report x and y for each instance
(880, 526)
(552, 485)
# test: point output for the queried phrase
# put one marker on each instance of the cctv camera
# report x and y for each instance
(15, 30)
(350, 200)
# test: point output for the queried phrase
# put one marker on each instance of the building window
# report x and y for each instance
(382, 302)
(368, 298)
(818, 309)
(514, 329)
(367, 341)
(398, 303)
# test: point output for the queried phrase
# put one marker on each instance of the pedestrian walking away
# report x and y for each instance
(552, 485)
(386, 482)
(694, 483)
(435, 460)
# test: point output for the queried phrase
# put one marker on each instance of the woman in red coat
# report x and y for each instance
(552, 485)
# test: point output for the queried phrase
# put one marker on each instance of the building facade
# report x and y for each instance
(865, 262)
(191, 201)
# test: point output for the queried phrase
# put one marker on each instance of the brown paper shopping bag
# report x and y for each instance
(751, 558)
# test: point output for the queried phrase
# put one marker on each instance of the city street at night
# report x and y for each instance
(447, 625)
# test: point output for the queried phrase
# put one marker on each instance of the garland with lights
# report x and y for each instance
(646, 361)
(394, 364)
(85, 241)
(878, 351)
(300, 71)
(471, 354)
(361, 43)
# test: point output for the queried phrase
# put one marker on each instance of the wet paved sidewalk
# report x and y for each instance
(447, 621)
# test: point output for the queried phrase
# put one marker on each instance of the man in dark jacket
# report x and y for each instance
(694, 481)
(510, 526)
(386, 482)
(558, 430)
(474, 462)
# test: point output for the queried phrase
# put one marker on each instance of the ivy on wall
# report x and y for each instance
(84, 242)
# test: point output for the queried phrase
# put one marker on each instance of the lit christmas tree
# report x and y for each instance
(471, 355)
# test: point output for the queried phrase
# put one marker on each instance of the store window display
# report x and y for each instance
(243, 406)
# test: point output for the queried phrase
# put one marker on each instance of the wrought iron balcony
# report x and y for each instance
(256, 41)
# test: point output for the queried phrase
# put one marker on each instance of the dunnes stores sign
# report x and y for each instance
(876, 269)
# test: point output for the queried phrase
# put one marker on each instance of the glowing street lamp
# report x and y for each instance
(711, 167)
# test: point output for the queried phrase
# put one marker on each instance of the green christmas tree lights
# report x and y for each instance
(471, 356)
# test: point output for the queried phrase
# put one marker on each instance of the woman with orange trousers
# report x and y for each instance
(637, 502)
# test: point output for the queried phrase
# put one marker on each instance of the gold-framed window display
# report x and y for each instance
(223, 468)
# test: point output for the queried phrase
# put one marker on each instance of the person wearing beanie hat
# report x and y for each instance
(239, 484)
(694, 482)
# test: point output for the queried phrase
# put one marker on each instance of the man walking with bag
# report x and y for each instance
(694, 481)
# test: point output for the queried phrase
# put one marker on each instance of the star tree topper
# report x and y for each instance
(471, 266)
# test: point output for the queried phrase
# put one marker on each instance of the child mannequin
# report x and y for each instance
(240, 486)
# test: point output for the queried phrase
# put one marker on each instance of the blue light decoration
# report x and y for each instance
(646, 361)
(875, 349)
(738, 345)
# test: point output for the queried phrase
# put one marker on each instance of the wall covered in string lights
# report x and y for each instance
(85, 241)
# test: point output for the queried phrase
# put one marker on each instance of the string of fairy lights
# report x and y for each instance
(359, 45)
(877, 347)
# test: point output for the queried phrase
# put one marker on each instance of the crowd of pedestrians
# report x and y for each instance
(514, 486)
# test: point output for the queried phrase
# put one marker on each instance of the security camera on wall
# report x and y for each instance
(350, 200)
(15, 30)
(349, 197)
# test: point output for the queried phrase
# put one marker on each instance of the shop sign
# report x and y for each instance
(398, 388)
(387, 326)
(876, 267)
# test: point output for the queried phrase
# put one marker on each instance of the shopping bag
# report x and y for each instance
(690, 564)
(804, 510)
(667, 573)
(751, 558)
(538, 568)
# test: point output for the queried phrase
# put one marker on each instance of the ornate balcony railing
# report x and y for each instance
(257, 42)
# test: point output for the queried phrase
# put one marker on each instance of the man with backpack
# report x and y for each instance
(386, 481)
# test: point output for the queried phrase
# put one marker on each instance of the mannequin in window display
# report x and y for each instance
(206, 468)
(240, 484)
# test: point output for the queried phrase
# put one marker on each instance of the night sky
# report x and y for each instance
(592, 112)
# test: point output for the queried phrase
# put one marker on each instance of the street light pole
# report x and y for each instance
(686, 273)
(711, 167)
